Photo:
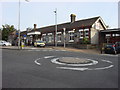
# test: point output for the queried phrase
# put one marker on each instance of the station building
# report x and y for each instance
(72, 32)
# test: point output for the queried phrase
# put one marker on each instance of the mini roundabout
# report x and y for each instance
(75, 63)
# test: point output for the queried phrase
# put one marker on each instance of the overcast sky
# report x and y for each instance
(42, 13)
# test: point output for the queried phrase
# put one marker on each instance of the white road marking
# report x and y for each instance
(107, 61)
(36, 61)
(33, 48)
(83, 69)
(54, 60)
(49, 57)
(80, 69)
(102, 68)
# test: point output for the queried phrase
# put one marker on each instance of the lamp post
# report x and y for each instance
(64, 37)
(19, 25)
(55, 27)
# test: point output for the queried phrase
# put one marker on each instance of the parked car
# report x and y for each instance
(39, 43)
(5, 43)
(117, 46)
(112, 48)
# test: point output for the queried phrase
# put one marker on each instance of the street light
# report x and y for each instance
(64, 37)
(55, 27)
(19, 25)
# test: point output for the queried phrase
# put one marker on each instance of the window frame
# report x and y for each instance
(71, 35)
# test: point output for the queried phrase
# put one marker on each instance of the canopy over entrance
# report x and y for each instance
(34, 33)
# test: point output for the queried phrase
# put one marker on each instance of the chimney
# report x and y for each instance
(35, 26)
(73, 16)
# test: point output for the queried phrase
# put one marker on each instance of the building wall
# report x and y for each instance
(72, 36)
(95, 32)
(49, 37)
(94, 36)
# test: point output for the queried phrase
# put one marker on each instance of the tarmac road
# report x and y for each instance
(21, 71)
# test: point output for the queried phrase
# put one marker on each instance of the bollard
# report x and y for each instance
(22, 45)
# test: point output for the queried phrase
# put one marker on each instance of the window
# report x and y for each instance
(117, 34)
(44, 37)
(71, 36)
(59, 36)
(49, 37)
(86, 33)
(81, 33)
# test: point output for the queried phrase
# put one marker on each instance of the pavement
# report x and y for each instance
(87, 51)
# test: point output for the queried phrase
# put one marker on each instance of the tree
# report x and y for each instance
(7, 29)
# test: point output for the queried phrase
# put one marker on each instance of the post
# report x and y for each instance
(64, 37)
(55, 27)
(19, 27)
(19, 39)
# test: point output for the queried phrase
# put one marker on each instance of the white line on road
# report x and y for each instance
(83, 69)
(49, 57)
(102, 68)
(107, 61)
(36, 61)
(80, 69)
(33, 49)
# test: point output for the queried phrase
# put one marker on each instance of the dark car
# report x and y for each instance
(117, 47)
(112, 48)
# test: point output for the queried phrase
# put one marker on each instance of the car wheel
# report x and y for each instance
(4, 45)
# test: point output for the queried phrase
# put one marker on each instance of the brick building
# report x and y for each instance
(72, 32)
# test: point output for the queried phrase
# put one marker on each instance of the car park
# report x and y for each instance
(112, 48)
(5, 43)
(39, 44)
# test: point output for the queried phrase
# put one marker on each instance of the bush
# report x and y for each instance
(85, 41)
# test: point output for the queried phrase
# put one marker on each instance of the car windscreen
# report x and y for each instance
(39, 41)
(109, 45)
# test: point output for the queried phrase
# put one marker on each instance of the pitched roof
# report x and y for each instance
(77, 24)
(68, 25)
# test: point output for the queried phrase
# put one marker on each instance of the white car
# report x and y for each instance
(4, 43)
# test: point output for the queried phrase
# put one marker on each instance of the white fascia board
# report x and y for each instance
(101, 21)
(34, 33)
